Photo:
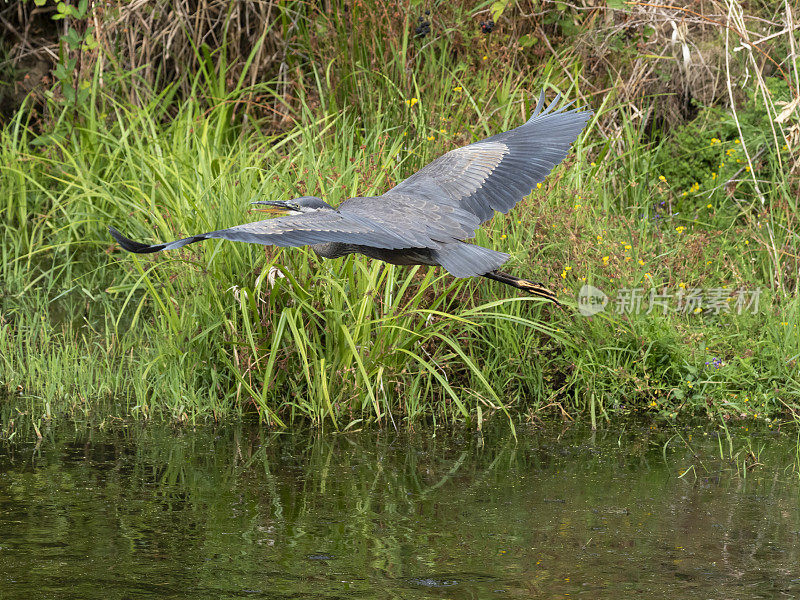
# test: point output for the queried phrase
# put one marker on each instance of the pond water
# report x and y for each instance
(149, 512)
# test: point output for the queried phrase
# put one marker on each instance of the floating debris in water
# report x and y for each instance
(321, 556)
(432, 582)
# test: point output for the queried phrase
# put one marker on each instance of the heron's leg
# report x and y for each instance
(533, 288)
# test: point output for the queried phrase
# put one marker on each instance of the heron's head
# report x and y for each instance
(304, 204)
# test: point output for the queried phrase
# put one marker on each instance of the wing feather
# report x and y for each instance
(496, 173)
(293, 230)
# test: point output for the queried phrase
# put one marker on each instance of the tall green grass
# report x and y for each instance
(220, 329)
(225, 327)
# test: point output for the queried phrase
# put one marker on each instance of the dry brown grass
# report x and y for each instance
(674, 53)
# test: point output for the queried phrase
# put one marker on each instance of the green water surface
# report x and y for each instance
(238, 512)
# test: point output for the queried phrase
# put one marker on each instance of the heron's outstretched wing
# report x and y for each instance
(496, 173)
(292, 230)
(424, 224)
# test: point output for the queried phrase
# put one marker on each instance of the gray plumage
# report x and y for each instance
(425, 218)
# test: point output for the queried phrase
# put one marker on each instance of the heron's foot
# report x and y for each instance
(531, 287)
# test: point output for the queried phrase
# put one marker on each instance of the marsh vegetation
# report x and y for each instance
(684, 182)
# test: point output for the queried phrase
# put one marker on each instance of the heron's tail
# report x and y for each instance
(535, 289)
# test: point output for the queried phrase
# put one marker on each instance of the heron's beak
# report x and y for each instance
(275, 206)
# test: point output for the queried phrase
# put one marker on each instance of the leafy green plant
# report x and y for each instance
(77, 40)
(700, 158)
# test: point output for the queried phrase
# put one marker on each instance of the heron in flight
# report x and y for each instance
(425, 219)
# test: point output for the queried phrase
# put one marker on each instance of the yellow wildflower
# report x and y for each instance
(606, 259)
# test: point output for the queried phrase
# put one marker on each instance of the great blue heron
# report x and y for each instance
(425, 219)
